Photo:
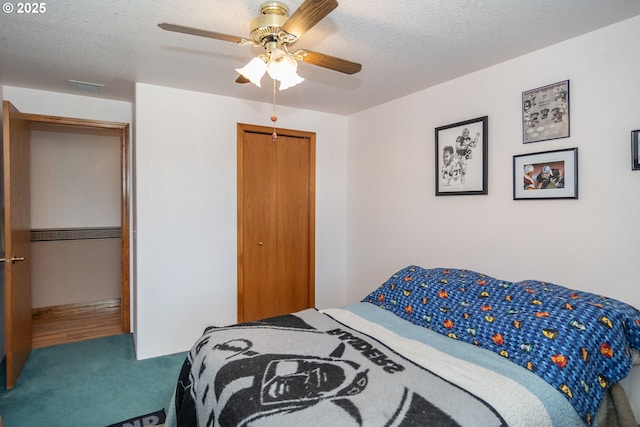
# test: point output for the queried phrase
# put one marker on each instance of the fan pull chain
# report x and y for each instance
(274, 118)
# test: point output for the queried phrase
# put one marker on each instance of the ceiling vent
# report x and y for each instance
(86, 86)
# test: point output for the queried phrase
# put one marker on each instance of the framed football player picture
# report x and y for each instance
(461, 157)
(545, 113)
(635, 148)
(546, 175)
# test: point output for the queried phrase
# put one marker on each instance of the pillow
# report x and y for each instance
(580, 343)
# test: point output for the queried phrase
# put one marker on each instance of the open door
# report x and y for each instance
(17, 229)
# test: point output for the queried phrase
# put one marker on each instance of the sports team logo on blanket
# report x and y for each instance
(329, 375)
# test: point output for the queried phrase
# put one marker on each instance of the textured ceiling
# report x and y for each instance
(403, 45)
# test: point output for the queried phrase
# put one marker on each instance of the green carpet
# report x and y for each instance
(91, 383)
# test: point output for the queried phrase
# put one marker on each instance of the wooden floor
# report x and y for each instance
(66, 324)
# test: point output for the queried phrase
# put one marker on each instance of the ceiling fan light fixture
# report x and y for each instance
(254, 70)
(283, 67)
(275, 31)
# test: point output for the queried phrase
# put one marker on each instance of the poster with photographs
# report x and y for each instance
(545, 112)
(461, 157)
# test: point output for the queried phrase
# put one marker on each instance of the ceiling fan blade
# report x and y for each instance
(328, 61)
(242, 79)
(307, 15)
(201, 33)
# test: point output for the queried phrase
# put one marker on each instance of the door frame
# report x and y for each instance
(120, 130)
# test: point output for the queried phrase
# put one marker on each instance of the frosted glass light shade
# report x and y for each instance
(290, 80)
(254, 70)
(283, 67)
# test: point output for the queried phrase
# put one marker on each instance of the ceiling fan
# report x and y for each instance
(276, 31)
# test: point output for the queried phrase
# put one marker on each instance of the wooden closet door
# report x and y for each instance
(276, 222)
(259, 242)
(293, 224)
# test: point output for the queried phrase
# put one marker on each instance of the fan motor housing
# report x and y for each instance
(267, 26)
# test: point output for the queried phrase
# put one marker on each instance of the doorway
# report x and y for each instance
(96, 318)
(276, 222)
(16, 323)
(75, 234)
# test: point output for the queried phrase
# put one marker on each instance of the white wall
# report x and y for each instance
(75, 183)
(35, 101)
(395, 219)
(75, 180)
(75, 271)
(186, 210)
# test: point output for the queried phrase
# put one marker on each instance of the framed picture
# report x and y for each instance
(635, 148)
(546, 175)
(461, 157)
(545, 113)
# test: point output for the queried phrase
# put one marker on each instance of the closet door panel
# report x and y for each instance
(293, 224)
(259, 225)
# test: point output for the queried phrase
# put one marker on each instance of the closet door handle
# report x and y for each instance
(259, 243)
(12, 260)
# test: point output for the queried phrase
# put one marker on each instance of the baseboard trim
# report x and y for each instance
(81, 307)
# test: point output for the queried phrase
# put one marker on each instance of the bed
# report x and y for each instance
(436, 347)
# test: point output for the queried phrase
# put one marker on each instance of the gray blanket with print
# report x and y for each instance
(329, 374)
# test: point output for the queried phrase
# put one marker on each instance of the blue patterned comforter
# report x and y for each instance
(578, 342)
